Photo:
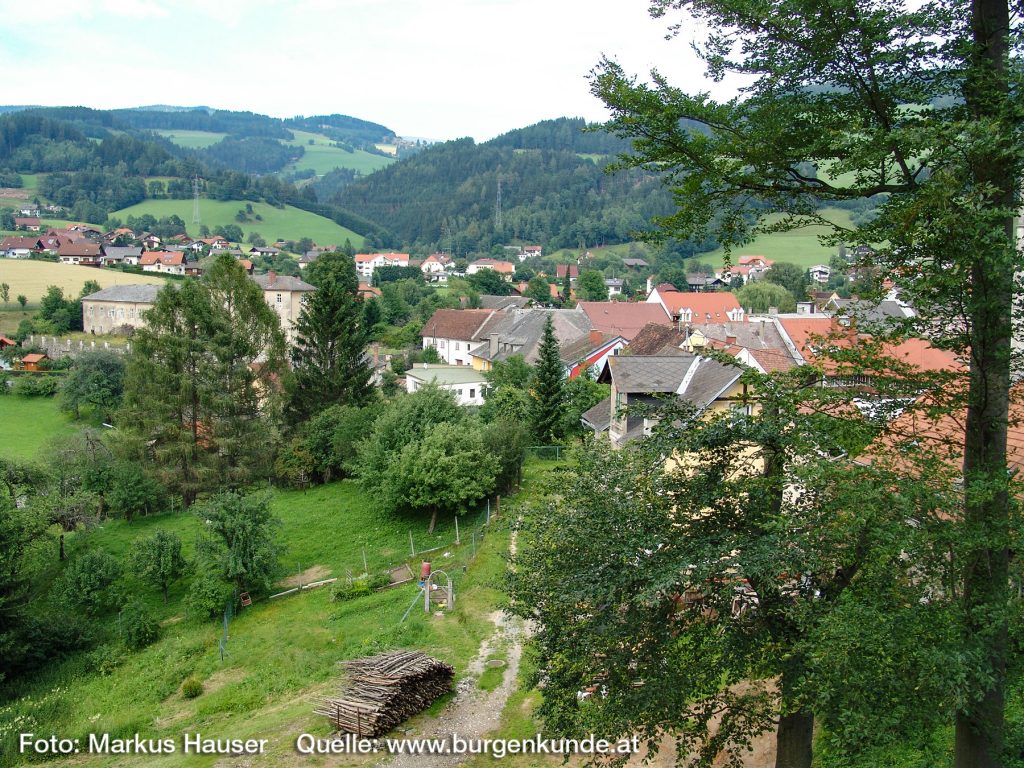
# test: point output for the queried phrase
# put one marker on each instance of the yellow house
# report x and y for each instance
(707, 384)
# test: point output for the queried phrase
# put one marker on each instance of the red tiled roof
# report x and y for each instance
(701, 305)
(362, 257)
(498, 266)
(33, 358)
(561, 269)
(79, 248)
(167, 258)
(457, 323)
(623, 317)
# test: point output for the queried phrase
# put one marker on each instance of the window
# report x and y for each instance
(279, 298)
(442, 343)
(456, 346)
(472, 393)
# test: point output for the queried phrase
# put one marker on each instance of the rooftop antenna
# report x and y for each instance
(195, 199)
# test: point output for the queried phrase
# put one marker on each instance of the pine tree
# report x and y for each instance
(548, 391)
(329, 356)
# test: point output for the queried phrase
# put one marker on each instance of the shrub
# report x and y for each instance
(89, 582)
(105, 659)
(33, 385)
(136, 626)
(359, 586)
(207, 596)
(191, 688)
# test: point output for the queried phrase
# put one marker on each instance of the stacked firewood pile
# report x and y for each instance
(380, 692)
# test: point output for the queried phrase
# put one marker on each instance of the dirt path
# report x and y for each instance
(473, 712)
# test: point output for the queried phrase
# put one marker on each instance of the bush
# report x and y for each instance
(104, 660)
(133, 492)
(136, 626)
(33, 385)
(89, 581)
(207, 596)
(360, 586)
(191, 688)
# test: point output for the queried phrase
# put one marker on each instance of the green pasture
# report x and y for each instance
(286, 223)
(192, 139)
(322, 157)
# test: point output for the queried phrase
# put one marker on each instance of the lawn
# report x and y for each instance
(27, 424)
(286, 223)
(280, 653)
(32, 278)
(192, 139)
(322, 157)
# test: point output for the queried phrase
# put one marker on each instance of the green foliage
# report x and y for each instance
(581, 394)
(207, 596)
(97, 380)
(136, 626)
(89, 582)
(329, 360)
(133, 491)
(791, 277)
(506, 439)
(105, 659)
(506, 403)
(158, 561)
(193, 393)
(293, 465)
(64, 314)
(366, 584)
(331, 436)
(36, 385)
(191, 688)
(240, 539)
(548, 393)
(759, 296)
(539, 290)
(447, 470)
(514, 372)
(590, 286)
(20, 528)
(490, 282)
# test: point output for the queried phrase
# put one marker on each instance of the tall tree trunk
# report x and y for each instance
(794, 740)
(979, 726)
(433, 521)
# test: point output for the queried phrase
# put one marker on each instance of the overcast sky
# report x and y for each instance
(439, 70)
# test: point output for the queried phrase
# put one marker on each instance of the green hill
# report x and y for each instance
(323, 156)
(286, 223)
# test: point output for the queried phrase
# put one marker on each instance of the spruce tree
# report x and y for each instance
(329, 356)
(548, 392)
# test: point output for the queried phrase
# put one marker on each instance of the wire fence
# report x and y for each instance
(546, 452)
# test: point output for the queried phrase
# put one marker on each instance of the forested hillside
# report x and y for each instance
(554, 190)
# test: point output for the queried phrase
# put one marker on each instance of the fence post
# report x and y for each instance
(365, 568)
(488, 521)
(457, 542)
(497, 508)
(474, 545)
(412, 545)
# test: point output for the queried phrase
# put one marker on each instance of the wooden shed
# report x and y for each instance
(33, 362)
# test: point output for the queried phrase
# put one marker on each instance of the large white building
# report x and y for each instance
(367, 262)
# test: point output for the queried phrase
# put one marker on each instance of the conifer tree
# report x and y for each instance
(548, 390)
(329, 356)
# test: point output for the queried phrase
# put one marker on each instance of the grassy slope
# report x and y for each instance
(322, 157)
(32, 278)
(800, 246)
(282, 652)
(192, 139)
(287, 224)
(27, 424)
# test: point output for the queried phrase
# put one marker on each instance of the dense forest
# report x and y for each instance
(553, 185)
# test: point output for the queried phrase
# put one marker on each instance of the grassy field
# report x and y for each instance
(321, 156)
(12, 315)
(801, 246)
(27, 424)
(287, 224)
(32, 278)
(192, 139)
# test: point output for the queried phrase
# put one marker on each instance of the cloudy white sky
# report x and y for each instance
(440, 70)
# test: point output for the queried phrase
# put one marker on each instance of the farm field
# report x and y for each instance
(32, 278)
(27, 424)
(281, 654)
(801, 246)
(321, 157)
(287, 224)
(192, 139)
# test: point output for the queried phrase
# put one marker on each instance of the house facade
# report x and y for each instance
(286, 295)
(465, 383)
(366, 263)
(117, 308)
(455, 332)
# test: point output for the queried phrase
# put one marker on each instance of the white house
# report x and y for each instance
(820, 273)
(454, 332)
(467, 384)
(367, 262)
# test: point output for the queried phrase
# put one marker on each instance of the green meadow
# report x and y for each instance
(192, 139)
(321, 156)
(286, 223)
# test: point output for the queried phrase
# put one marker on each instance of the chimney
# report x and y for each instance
(773, 310)
(596, 337)
(730, 340)
(271, 277)
(493, 344)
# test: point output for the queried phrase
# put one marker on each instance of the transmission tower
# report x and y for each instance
(195, 199)
(497, 209)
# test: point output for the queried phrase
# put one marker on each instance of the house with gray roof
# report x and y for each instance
(118, 308)
(466, 383)
(640, 386)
